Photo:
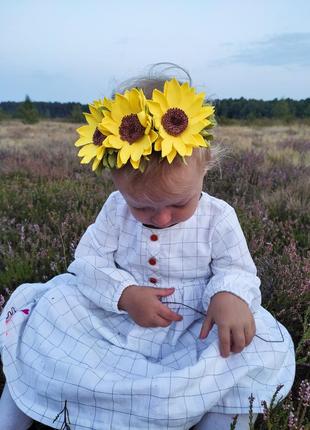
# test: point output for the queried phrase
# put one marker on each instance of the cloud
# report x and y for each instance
(287, 49)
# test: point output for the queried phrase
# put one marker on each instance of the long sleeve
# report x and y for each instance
(98, 277)
(233, 269)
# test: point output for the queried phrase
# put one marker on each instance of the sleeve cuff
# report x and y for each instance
(251, 296)
(117, 295)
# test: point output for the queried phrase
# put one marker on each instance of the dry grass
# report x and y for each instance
(279, 144)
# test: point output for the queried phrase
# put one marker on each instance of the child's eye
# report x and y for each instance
(140, 209)
(179, 206)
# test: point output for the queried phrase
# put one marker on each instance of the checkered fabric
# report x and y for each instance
(66, 340)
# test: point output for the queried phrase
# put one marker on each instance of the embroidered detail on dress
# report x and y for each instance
(9, 315)
(12, 312)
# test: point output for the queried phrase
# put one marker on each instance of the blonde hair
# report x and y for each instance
(207, 158)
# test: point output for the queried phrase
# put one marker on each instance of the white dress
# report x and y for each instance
(66, 340)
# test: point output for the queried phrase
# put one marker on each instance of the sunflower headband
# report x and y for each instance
(129, 127)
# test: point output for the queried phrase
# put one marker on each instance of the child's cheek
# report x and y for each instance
(185, 213)
(140, 216)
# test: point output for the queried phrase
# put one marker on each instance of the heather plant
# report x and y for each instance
(47, 200)
(43, 225)
(281, 414)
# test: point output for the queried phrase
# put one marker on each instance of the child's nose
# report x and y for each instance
(162, 218)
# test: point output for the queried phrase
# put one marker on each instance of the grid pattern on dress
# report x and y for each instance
(76, 345)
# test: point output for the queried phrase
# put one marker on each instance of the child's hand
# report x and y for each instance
(236, 326)
(145, 308)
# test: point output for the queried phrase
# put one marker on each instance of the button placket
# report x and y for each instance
(153, 260)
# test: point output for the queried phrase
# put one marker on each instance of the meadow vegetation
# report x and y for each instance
(47, 199)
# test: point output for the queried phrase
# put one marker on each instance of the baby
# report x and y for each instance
(158, 322)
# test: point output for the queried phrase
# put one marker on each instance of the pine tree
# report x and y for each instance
(27, 112)
(3, 115)
(76, 113)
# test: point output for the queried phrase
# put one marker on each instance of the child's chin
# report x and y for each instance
(163, 225)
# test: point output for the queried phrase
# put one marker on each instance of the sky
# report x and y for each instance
(77, 50)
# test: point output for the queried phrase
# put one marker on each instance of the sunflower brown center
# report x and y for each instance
(174, 121)
(98, 137)
(131, 128)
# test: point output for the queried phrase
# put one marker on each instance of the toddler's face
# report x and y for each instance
(165, 201)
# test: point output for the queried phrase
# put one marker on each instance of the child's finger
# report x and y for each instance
(238, 339)
(206, 327)
(224, 339)
(249, 333)
(163, 292)
(161, 322)
(168, 314)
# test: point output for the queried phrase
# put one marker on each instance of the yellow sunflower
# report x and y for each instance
(180, 115)
(91, 138)
(128, 126)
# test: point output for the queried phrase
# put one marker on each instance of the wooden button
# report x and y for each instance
(152, 261)
(154, 237)
(153, 280)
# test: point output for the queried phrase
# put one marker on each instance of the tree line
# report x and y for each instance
(227, 110)
(31, 111)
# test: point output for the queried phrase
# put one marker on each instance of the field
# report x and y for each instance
(47, 199)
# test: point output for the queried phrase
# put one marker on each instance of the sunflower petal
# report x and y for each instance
(171, 156)
(91, 120)
(155, 109)
(120, 108)
(208, 109)
(100, 152)
(135, 164)
(153, 136)
(157, 145)
(88, 150)
(86, 130)
(195, 128)
(166, 147)
(133, 96)
(125, 153)
(179, 147)
(136, 151)
(114, 142)
(203, 114)
(200, 140)
(119, 162)
(186, 89)
(95, 113)
(87, 158)
(159, 97)
(83, 141)
(95, 164)
(107, 103)
(189, 151)
(172, 92)
(123, 103)
(109, 125)
(142, 117)
(148, 149)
